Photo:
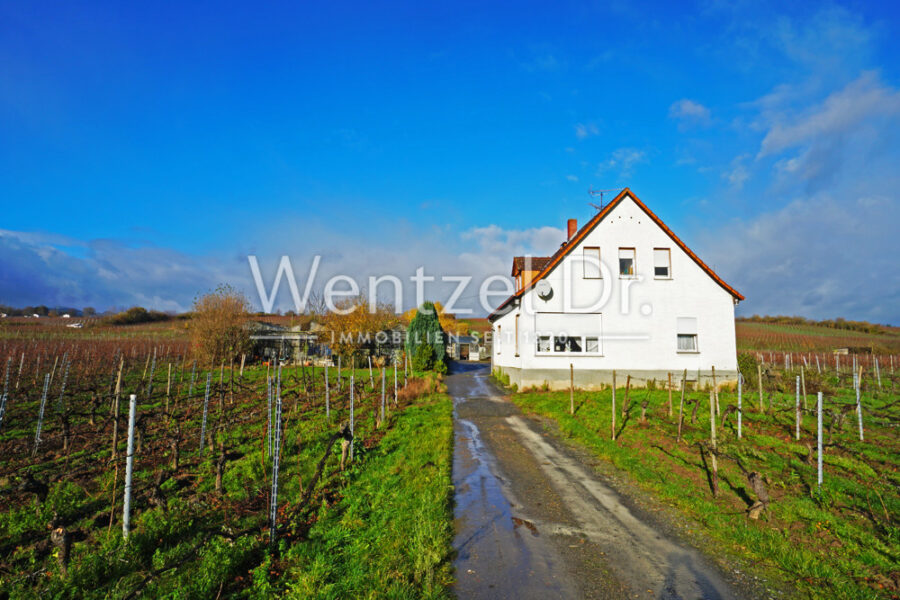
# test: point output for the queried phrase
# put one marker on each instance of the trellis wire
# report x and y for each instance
(273, 511)
(62, 389)
(2, 409)
(129, 468)
(152, 369)
(19, 374)
(205, 407)
(6, 379)
(268, 416)
(877, 372)
(856, 384)
(351, 417)
(193, 378)
(819, 436)
(37, 433)
(327, 396)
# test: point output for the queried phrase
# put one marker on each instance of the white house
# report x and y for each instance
(623, 294)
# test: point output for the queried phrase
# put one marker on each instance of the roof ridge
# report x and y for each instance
(591, 223)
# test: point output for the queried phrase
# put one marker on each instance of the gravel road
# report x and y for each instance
(534, 521)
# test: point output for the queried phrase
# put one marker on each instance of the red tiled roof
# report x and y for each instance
(582, 233)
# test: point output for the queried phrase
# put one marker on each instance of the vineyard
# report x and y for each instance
(813, 338)
(740, 468)
(239, 481)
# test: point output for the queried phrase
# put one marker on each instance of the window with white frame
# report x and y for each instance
(573, 333)
(662, 263)
(543, 344)
(686, 331)
(627, 262)
(517, 335)
(592, 263)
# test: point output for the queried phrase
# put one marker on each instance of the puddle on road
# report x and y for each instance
(496, 558)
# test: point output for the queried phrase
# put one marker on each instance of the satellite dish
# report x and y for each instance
(544, 291)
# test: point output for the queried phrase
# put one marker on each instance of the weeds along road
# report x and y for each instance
(533, 521)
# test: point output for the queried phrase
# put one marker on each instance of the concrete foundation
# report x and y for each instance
(559, 379)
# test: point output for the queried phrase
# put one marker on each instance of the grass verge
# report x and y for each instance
(838, 541)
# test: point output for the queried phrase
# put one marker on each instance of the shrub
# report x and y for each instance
(423, 358)
(135, 315)
(425, 330)
(747, 366)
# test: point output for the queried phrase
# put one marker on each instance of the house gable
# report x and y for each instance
(581, 235)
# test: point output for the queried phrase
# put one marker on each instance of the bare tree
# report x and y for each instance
(218, 325)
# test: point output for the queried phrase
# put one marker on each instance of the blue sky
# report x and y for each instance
(145, 150)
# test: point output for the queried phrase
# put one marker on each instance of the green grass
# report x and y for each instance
(840, 541)
(382, 527)
(391, 537)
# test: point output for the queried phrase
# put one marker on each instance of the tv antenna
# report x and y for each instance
(594, 193)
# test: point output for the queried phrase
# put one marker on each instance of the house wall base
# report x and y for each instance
(596, 379)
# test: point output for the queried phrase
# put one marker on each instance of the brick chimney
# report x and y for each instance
(573, 227)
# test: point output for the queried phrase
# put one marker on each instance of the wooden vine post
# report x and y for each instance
(716, 391)
(614, 405)
(759, 378)
(669, 387)
(571, 389)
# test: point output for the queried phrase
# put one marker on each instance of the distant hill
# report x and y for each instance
(810, 336)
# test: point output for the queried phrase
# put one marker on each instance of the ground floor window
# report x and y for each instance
(543, 343)
(566, 343)
(687, 342)
(686, 330)
(568, 333)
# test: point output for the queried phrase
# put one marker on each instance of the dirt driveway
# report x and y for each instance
(534, 521)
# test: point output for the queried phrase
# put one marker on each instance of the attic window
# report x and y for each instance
(662, 263)
(627, 266)
(592, 263)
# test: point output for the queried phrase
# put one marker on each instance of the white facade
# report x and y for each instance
(596, 317)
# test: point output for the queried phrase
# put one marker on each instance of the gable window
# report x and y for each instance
(686, 328)
(591, 263)
(662, 263)
(627, 267)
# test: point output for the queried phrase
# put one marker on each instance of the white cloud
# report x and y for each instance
(572, 178)
(44, 269)
(861, 100)
(586, 130)
(737, 174)
(622, 160)
(831, 39)
(823, 257)
(689, 113)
